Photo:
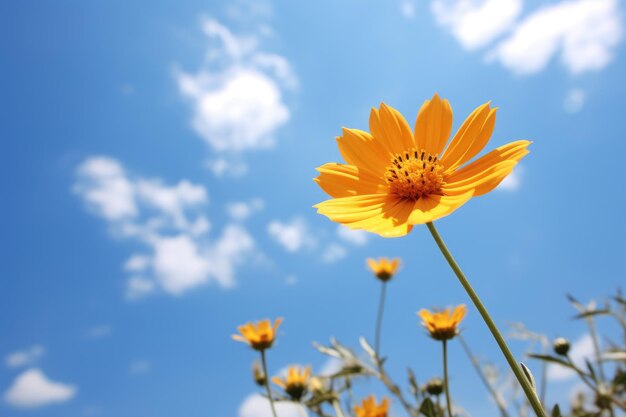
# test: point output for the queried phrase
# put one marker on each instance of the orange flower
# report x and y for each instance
(395, 178)
(383, 268)
(369, 408)
(259, 336)
(443, 325)
(295, 382)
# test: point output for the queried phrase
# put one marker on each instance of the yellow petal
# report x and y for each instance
(391, 130)
(484, 174)
(433, 207)
(360, 149)
(433, 125)
(471, 137)
(345, 180)
(377, 213)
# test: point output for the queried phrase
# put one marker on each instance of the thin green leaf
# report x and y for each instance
(556, 411)
(553, 359)
(428, 408)
(529, 376)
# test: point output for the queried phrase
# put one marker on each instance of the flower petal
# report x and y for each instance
(360, 149)
(484, 174)
(471, 137)
(433, 125)
(433, 207)
(391, 130)
(376, 213)
(346, 180)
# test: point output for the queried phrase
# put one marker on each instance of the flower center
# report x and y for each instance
(414, 174)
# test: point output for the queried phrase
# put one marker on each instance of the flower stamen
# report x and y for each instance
(414, 174)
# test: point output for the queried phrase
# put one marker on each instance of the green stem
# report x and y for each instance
(267, 383)
(521, 378)
(446, 383)
(337, 408)
(379, 318)
(483, 377)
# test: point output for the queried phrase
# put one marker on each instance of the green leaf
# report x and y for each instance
(591, 313)
(529, 376)
(413, 383)
(553, 359)
(428, 408)
(556, 411)
(592, 371)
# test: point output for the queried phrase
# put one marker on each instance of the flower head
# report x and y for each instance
(260, 335)
(295, 383)
(369, 408)
(395, 178)
(443, 325)
(383, 268)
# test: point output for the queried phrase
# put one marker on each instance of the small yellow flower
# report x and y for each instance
(295, 383)
(395, 177)
(443, 325)
(369, 408)
(383, 268)
(260, 335)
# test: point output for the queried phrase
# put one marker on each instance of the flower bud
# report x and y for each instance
(434, 386)
(561, 346)
(258, 375)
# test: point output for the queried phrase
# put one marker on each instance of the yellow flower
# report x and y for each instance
(395, 178)
(369, 408)
(259, 336)
(383, 268)
(295, 382)
(443, 325)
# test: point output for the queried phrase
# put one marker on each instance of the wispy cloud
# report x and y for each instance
(583, 34)
(476, 23)
(241, 210)
(333, 253)
(574, 100)
(513, 181)
(237, 95)
(139, 367)
(293, 235)
(24, 357)
(256, 405)
(355, 237)
(33, 389)
(167, 220)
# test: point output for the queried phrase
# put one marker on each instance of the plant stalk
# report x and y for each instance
(517, 371)
(379, 318)
(267, 383)
(446, 383)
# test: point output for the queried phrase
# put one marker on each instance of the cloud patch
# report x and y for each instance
(179, 253)
(293, 236)
(238, 94)
(256, 405)
(33, 389)
(24, 357)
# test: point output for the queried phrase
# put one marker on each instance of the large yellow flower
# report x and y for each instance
(395, 178)
(443, 325)
(259, 336)
(369, 408)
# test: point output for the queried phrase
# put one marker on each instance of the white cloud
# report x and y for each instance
(574, 101)
(24, 357)
(104, 186)
(221, 167)
(256, 405)
(475, 23)
(167, 220)
(237, 95)
(291, 280)
(583, 33)
(100, 331)
(292, 236)
(333, 253)
(241, 210)
(581, 349)
(407, 8)
(139, 366)
(33, 389)
(513, 181)
(355, 237)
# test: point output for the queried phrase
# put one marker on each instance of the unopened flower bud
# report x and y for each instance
(434, 386)
(258, 375)
(561, 346)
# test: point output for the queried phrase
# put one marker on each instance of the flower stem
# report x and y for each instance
(337, 407)
(446, 383)
(267, 383)
(521, 378)
(379, 319)
(494, 394)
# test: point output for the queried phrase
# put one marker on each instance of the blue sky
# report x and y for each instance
(159, 187)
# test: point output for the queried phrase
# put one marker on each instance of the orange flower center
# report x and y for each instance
(414, 174)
